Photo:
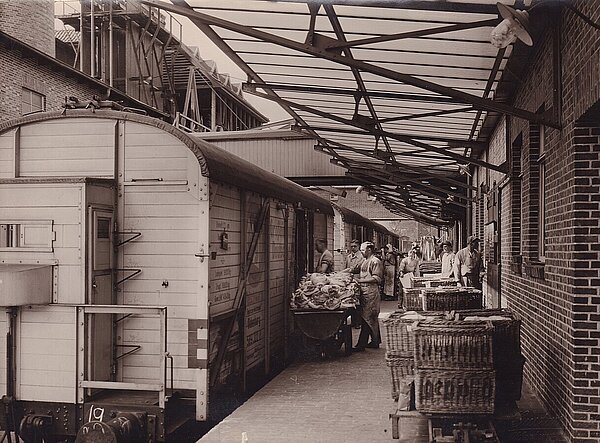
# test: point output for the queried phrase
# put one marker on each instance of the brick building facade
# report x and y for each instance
(543, 216)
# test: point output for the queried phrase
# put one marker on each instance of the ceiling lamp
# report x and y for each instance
(514, 26)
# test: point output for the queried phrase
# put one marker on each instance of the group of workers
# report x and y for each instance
(373, 272)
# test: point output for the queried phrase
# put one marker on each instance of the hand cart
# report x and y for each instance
(327, 329)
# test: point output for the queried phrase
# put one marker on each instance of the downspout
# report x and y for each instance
(92, 41)
(110, 44)
(81, 35)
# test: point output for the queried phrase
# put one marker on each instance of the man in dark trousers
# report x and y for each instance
(468, 264)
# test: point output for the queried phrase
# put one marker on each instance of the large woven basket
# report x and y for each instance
(507, 333)
(509, 379)
(451, 344)
(399, 341)
(403, 373)
(442, 282)
(455, 391)
(451, 299)
(411, 299)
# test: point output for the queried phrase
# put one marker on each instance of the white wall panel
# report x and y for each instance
(47, 335)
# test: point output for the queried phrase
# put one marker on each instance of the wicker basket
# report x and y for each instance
(403, 373)
(442, 282)
(509, 379)
(451, 299)
(399, 341)
(451, 344)
(419, 282)
(411, 299)
(507, 333)
(455, 391)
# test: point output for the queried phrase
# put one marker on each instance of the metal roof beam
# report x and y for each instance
(416, 34)
(398, 137)
(418, 189)
(427, 172)
(426, 114)
(452, 142)
(251, 87)
(464, 97)
(474, 8)
(339, 32)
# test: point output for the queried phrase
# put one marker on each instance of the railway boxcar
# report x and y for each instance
(140, 270)
(349, 225)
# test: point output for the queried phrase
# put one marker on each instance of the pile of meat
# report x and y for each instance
(326, 291)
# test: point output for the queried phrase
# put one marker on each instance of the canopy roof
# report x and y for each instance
(395, 91)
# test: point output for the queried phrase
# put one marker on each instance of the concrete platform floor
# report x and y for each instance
(347, 399)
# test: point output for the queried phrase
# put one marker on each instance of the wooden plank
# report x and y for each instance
(67, 168)
(48, 393)
(160, 223)
(174, 197)
(61, 216)
(174, 299)
(85, 126)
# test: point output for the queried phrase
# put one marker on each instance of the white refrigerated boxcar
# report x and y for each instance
(140, 269)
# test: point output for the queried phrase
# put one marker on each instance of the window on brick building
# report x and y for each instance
(32, 101)
(542, 197)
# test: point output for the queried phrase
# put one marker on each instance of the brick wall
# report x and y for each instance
(17, 72)
(559, 299)
(31, 21)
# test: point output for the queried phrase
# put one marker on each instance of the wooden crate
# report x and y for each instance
(456, 391)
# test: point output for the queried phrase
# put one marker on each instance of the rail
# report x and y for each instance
(84, 312)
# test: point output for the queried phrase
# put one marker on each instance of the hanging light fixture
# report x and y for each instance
(514, 26)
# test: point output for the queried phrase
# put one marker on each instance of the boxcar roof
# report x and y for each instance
(349, 216)
(214, 162)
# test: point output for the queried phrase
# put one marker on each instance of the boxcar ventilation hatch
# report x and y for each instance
(23, 284)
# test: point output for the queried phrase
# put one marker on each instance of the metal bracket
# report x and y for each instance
(135, 235)
(123, 280)
(134, 348)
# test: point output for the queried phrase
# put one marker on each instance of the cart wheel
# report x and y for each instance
(347, 339)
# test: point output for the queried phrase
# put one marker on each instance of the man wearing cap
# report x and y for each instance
(353, 261)
(369, 278)
(389, 278)
(468, 264)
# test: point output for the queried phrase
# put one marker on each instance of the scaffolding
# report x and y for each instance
(123, 43)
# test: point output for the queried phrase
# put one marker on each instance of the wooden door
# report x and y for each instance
(100, 326)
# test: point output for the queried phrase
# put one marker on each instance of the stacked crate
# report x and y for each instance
(400, 348)
(506, 341)
(454, 367)
(451, 298)
(412, 299)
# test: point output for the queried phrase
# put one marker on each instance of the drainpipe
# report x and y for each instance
(110, 44)
(92, 41)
